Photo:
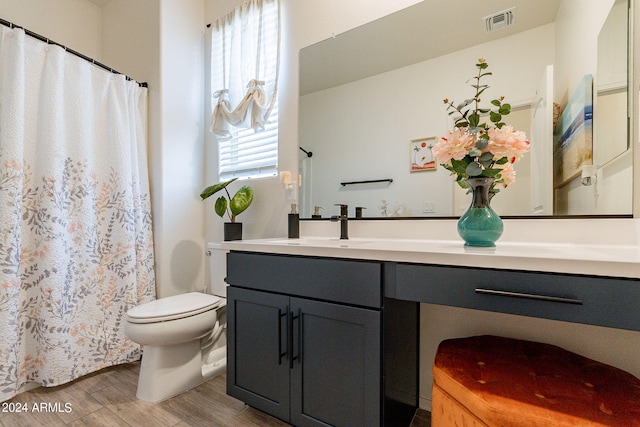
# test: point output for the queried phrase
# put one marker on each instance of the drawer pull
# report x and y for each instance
(528, 296)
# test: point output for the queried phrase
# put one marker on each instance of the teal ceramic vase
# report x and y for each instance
(480, 226)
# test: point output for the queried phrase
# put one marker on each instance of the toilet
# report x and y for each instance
(183, 336)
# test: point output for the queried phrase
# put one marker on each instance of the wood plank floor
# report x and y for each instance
(108, 398)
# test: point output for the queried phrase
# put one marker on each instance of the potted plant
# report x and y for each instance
(232, 206)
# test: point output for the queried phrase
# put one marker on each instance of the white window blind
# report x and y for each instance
(244, 76)
(249, 154)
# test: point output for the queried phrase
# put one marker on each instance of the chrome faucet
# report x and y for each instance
(344, 221)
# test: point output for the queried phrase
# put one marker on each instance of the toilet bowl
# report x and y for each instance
(183, 337)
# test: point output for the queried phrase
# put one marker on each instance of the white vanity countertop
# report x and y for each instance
(600, 260)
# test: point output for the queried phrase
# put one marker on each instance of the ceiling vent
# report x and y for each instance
(499, 20)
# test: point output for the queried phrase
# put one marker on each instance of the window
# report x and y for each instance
(250, 154)
(244, 78)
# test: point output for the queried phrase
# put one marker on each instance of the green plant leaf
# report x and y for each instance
(481, 144)
(241, 201)
(464, 104)
(459, 166)
(221, 206)
(486, 157)
(475, 152)
(473, 169)
(213, 189)
(505, 109)
(491, 172)
(495, 117)
(496, 102)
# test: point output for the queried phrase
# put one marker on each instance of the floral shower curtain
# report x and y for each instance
(76, 246)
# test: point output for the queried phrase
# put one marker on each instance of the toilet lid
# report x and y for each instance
(173, 307)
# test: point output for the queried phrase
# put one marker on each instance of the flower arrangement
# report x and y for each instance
(477, 149)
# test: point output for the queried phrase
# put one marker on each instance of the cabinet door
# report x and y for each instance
(257, 364)
(336, 377)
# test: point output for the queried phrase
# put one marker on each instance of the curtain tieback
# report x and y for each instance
(255, 82)
(220, 93)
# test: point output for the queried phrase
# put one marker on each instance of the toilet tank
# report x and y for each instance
(217, 269)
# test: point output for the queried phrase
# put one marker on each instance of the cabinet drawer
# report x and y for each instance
(343, 281)
(600, 301)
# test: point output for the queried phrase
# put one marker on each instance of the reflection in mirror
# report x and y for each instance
(365, 95)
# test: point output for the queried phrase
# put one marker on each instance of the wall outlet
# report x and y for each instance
(429, 207)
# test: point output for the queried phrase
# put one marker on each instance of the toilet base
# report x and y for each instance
(167, 371)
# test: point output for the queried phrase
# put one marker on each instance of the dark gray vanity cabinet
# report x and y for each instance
(306, 341)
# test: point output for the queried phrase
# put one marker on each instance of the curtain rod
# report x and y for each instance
(76, 53)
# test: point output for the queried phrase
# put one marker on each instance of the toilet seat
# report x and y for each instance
(174, 307)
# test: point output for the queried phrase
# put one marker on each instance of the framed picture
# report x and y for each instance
(573, 139)
(421, 156)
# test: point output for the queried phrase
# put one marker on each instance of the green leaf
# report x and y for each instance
(474, 119)
(221, 206)
(475, 152)
(495, 117)
(240, 201)
(482, 143)
(486, 157)
(459, 166)
(212, 189)
(491, 172)
(505, 109)
(496, 102)
(473, 169)
(465, 103)
(482, 65)
(502, 161)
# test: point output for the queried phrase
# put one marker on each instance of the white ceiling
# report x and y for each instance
(420, 32)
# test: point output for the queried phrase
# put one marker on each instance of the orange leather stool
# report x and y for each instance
(494, 381)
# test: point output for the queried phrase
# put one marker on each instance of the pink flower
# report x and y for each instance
(507, 175)
(507, 142)
(454, 145)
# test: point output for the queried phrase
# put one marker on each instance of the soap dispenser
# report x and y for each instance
(316, 212)
(294, 222)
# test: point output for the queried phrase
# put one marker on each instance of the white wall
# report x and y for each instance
(73, 23)
(161, 42)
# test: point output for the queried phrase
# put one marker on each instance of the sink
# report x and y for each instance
(320, 241)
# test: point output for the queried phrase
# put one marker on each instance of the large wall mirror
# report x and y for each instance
(370, 95)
